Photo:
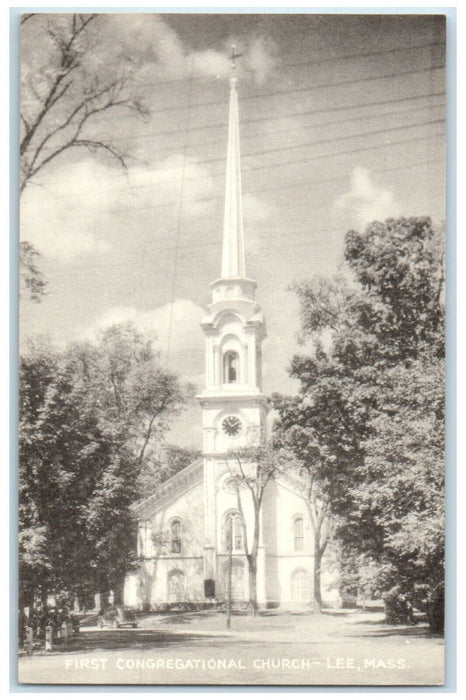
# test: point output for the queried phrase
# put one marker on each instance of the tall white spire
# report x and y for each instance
(233, 264)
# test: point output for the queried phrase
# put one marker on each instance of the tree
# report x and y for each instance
(401, 492)
(92, 418)
(252, 468)
(65, 88)
(63, 91)
(318, 469)
(167, 461)
(371, 399)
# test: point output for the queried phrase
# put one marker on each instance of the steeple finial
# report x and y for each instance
(233, 58)
(233, 263)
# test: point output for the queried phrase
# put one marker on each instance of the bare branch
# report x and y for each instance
(69, 60)
(53, 132)
(75, 97)
(25, 122)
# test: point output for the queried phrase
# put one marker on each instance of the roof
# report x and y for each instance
(174, 483)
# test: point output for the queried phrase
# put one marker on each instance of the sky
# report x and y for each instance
(342, 122)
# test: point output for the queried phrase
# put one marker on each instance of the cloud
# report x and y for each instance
(255, 209)
(260, 58)
(63, 218)
(162, 185)
(156, 49)
(208, 63)
(365, 201)
(78, 210)
(174, 328)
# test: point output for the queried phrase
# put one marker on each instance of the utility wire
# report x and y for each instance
(294, 183)
(318, 62)
(216, 242)
(264, 135)
(178, 228)
(307, 88)
(308, 144)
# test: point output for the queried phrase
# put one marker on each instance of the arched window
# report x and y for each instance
(230, 367)
(175, 536)
(234, 530)
(298, 534)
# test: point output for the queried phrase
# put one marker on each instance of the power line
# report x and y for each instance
(145, 257)
(178, 229)
(288, 115)
(307, 88)
(308, 144)
(318, 157)
(202, 144)
(131, 187)
(320, 111)
(318, 62)
(129, 209)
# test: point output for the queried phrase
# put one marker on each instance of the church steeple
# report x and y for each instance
(233, 263)
(234, 326)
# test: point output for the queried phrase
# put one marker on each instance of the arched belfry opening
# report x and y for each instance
(230, 367)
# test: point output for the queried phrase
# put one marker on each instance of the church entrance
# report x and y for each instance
(301, 586)
(238, 580)
(176, 586)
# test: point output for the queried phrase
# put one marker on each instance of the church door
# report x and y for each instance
(238, 580)
(176, 586)
(301, 586)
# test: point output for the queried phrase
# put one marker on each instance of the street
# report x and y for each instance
(337, 648)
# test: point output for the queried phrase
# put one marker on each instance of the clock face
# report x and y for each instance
(231, 426)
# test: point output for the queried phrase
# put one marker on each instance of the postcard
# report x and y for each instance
(232, 349)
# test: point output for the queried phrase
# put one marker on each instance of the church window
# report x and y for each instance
(230, 367)
(175, 537)
(233, 530)
(298, 532)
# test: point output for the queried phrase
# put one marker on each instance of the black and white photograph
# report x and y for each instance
(231, 385)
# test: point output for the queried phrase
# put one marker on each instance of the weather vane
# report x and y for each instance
(234, 56)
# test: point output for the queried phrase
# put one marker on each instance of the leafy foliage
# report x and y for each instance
(92, 418)
(369, 418)
(31, 279)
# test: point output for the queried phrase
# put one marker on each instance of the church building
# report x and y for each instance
(185, 548)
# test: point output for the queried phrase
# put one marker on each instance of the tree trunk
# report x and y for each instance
(317, 600)
(230, 564)
(118, 592)
(436, 612)
(252, 568)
